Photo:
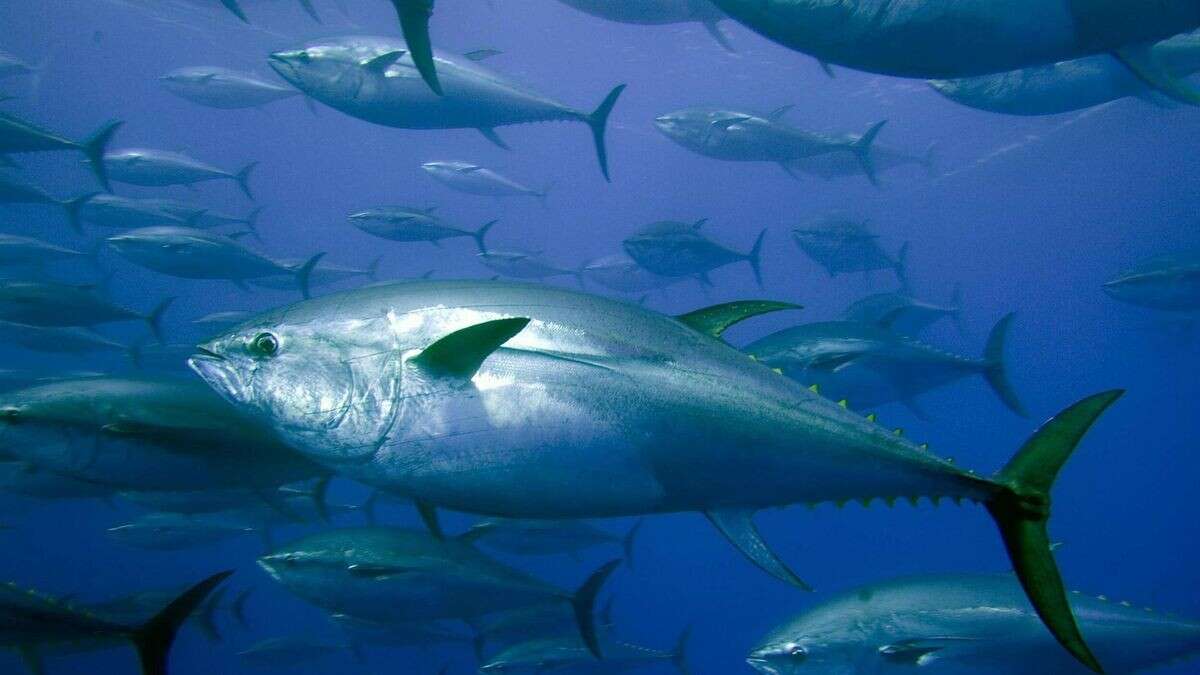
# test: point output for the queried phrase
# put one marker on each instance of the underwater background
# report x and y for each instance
(1027, 215)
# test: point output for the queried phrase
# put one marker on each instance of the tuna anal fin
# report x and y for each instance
(918, 652)
(1140, 61)
(494, 137)
(716, 319)
(738, 527)
(462, 352)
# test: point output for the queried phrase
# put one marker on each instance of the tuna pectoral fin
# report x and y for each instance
(153, 640)
(598, 121)
(716, 319)
(920, 651)
(462, 352)
(738, 527)
(414, 23)
(1021, 509)
(494, 137)
(232, 6)
(862, 151)
(93, 148)
(995, 372)
(584, 603)
(429, 516)
(1141, 62)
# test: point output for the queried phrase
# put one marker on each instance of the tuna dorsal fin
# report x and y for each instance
(481, 54)
(380, 64)
(1140, 60)
(779, 112)
(738, 527)
(460, 353)
(716, 319)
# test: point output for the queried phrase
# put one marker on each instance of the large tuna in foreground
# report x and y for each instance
(963, 623)
(373, 79)
(529, 401)
(962, 38)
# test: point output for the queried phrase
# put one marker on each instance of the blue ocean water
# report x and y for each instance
(1028, 215)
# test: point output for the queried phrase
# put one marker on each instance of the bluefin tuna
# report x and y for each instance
(868, 365)
(161, 168)
(128, 213)
(392, 575)
(964, 623)
(1072, 85)
(884, 159)
(374, 79)
(568, 654)
(532, 401)
(191, 253)
(1169, 282)
(31, 621)
(964, 38)
(63, 340)
(477, 180)
(738, 136)
(144, 434)
(843, 246)
(217, 87)
(20, 136)
(901, 312)
(524, 265)
(16, 191)
(324, 274)
(657, 13)
(177, 531)
(291, 652)
(21, 251)
(401, 223)
(26, 480)
(41, 303)
(676, 249)
(136, 607)
(547, 537)
(621, 273)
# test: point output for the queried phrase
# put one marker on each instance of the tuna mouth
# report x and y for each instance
(280, 64)
(217, 372)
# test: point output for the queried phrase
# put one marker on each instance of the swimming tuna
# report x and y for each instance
(26, 480)
(31, 621)
(964, 623)
(63, 340)
(160, 168)
(884, 159)
(523, 265)
(656, 13)
(538, 402)
(1170, 282)
(621, 273)
(177, 531)
(400, 223)
(570, 655)
(546, 537)
(842, 246)
(476, 180)
(324, 274)
(218, 87)
(392, 575)
(373, 78)
(19, 136)
(1067, 86)
(963, 38)
(27, 251)
(190, 253)
(302, 652)
(135, 607)
(737, 136)
(53, 304)
(116, 211)
(16, 191)
(671, 248)
(144, 434)
(902, 313)
(868, 365)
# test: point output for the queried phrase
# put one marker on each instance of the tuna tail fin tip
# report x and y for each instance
(481, 234)
(93, 148)
(73, 206)
(153, 639)
(414, 23)
(304, 275)
(584, 602)
(995, 372)
(1021, 509)
(862, 150)
(243, 179)
(754, 257)
(598, 120)
(154, 318)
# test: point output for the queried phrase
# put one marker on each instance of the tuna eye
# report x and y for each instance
(797, 653)
(265, 344)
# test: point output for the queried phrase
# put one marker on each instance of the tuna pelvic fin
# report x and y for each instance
(153, 640)
(996, 374)
(414, 23)
(1141, 62)
(494, 138)
(598, 120)
(584, 602)
(716, 319)
(1021, 509)
(462, 352)
(738, 527)
(304, 275)
(232, 6)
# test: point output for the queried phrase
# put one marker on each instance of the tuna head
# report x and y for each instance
(336, 70)
(691, 127)
(789, 653)
(329, 388)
